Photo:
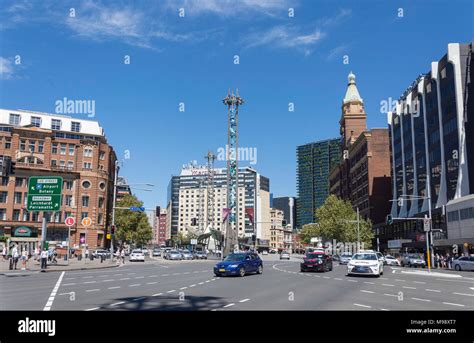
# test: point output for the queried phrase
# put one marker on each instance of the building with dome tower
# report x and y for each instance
(363, 173)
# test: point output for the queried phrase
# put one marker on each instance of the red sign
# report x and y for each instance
(70, 221)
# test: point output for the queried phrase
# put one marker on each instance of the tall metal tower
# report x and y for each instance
(232, 222)
(210, 189)
(201, 221)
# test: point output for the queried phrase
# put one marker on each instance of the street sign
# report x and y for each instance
(137, 209)
(44, 193)
(194, 241)
(70, 221)
(426, 224)
(86, 221)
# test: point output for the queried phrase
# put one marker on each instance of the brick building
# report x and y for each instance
(40, 144)
(363, 175)
(159, 229)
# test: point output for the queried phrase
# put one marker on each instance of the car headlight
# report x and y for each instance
(234, 265)
(373, 265)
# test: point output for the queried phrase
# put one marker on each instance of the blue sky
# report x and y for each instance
(190, 59)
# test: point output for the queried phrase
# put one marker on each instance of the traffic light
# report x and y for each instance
(112, 229)
(389, 220)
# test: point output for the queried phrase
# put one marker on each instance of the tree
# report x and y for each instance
(132, 226)
(336, 219)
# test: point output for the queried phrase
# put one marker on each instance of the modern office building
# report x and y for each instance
(187, 201)
(288, 205)
(314, 162)
(432, 144)
(41, 144)
(363, 174)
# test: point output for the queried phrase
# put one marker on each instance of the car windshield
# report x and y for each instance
(361, 257)
(235, 258)
(314, 256)
(174, 252)
(137, 252)
(346, 255)
(414, 256)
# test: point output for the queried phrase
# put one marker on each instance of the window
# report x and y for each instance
(17, 198)
(14, 119)
(3, 214)
(102, 185)
(31, 146)
(75, 126)
(84, 215)
(4, 181)
(54, 148)
(62, 163)
(3, 197)
(23, 145)
(53, 163)
(34, 217)
(101, 202)
(63, 149)
(40, 146)
(102, 155)
(70, 164)
(16, 215)
(55, 124)
(100, 219)
(19, 181)
(71, 150)
(85, 201)
(86, 184)
(26, 216)
(36, 121)
(8, 143)
(68, 200)
(68, 185)
(87, 165)
(87, 152)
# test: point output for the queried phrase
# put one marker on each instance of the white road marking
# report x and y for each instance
(427, 300)
(183, 287)
(50, 301)
(109, 280)
(93, 290)
(69, 284)
(468, 295)
(119, 303)
(388, 285)
(69, 278)
(384, 309)
(92, 309)
(336, 278)
(153, 276)
(134, 285)
(364, 291)
(407, 287)
(201, 283)
(352, 281)
(399, 280)
(90, 282)
(192, 285)
(244, 300)
(229, 305)
(114, 287)
(151, 283)
(362, 305)
(125, 278)
(139, 277)
(453, 304)
(370, 283)
(314, 275)
(207, 281)
(421, 282)
(326, 277)
(173, 290)
(157, 294)
(433, 290)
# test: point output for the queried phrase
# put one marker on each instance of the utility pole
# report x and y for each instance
(113, 209)
(210, 192)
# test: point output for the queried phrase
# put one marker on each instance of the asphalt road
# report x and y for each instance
(191, 285)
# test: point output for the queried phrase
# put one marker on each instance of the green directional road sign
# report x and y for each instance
(44, 193)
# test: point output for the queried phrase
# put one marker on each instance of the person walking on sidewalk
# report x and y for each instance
(4, 253)
(122, 255)
(24, 259)
(15, 256)
(44, 258)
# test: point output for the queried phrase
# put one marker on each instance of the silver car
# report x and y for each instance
(284, 256)
(345, 258)
(174, 255)
(186, 255)
(464, 263)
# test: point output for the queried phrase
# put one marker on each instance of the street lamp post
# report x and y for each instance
(358, 228)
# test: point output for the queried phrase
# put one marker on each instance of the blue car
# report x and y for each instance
(239, 264)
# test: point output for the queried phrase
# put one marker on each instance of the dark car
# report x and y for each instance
(239, 264)
(316, 261)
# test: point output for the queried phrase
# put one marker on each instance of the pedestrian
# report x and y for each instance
(122, 255)
(4, 253)
(436, 261)
(15, 256)
(44, 258)
(24, 259)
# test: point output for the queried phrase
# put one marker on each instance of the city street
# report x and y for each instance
(191, 285)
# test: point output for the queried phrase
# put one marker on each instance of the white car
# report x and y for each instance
(137, 255)
(391, 261)
(264, 252)
(365, 263)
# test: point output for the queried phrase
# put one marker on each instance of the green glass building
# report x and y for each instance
(314, 163)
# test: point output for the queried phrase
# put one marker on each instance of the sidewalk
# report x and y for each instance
(35, 267)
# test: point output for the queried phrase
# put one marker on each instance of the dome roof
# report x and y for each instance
(352, 94)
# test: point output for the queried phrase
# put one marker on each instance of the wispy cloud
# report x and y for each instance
(6, 68)
(341, 15)
(337, 51)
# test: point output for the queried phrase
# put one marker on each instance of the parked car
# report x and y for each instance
(367, 263)
(239, 264)
(186, 255)
(273, 251)
(137, 255)
(391, 261)
(98, 253)
(265, 252)
(200, 255)
(156, 252)
(174, 255)
(380, 256)
(413, 260)
(464, 263)
(284, 255)
(317, 261)
(345, 258)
